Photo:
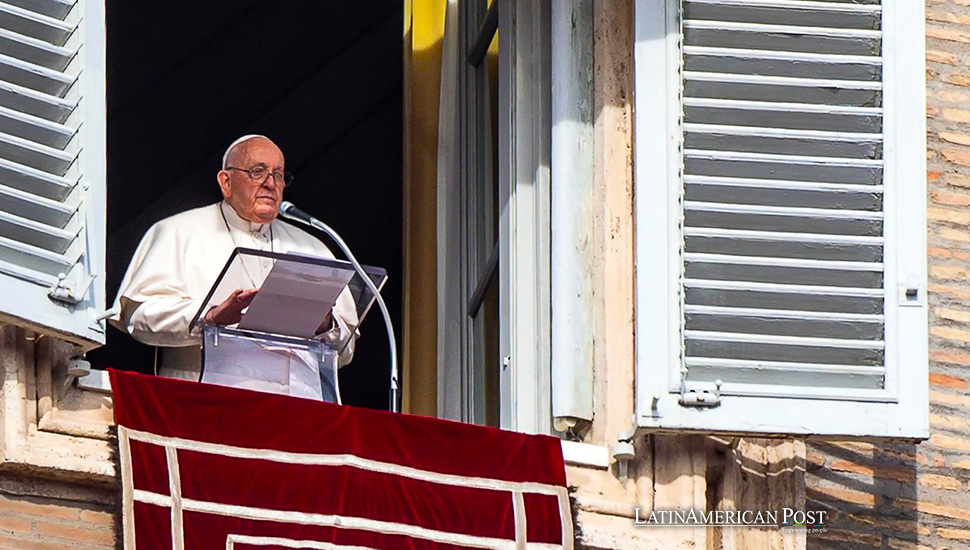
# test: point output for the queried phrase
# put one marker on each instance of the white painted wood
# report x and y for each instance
(39, 26)
(782, 262)
(788, 159)
(780, 106)
(741, 234)
(782, 55)
(449, 221)
(780, 29)
(782, 81)
(782, 210)
(797, 4)
(907, 321)
(523, 237)
(781, 184)
(572, 204)
(785, 288)
(656, 208)
(785, 313)
(784, 366)
(809, 395)
(882, 398)
(781, 340)
(52, 218)
(780, 132)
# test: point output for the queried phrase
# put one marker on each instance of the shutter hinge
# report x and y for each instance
(700, 394)
(63, 292)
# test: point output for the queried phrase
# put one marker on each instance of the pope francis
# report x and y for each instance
(180, 258)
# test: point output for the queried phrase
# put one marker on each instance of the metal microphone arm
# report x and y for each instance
(392, 341)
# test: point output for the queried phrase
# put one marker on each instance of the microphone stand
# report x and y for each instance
(392, 341)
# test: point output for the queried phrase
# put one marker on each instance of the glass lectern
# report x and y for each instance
(285, 343)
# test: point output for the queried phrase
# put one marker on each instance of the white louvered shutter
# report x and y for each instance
(52, 166)
(791, 153)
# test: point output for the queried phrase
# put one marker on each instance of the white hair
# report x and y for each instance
(225, 156)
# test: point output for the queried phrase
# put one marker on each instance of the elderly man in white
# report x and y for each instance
(180, 258)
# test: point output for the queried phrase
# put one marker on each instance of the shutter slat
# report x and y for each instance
(834, 118)
(793, 14)
(782, 258)
(785, 349)
(35, 129)
(33, 207)
(752, 380)
(854, 6)
(34, 261)
(58, 9)
(785, 314)
(781, 366)
(765, 236)
(38, 234)
(781, 106)
(35, 25)
(35, 51)
(34, 77)
(36, 155)
(827, 213)
(781, 274)
(754, 141)
(779, 196)
(808, 290)
(781, 184)
(755, 373)
(783, 262)
(37, 181)
(770, 66)
(33, 102)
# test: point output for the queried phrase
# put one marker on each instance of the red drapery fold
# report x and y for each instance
(210, 467)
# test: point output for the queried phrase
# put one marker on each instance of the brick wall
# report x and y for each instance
(76, 518)
(906, 496)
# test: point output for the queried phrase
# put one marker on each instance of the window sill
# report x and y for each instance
(586, 455)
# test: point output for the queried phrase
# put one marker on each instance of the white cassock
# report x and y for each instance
(176, 264)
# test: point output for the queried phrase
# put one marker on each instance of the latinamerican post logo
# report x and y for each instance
(786, 519)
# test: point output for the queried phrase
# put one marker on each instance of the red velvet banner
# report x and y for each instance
(209, 467)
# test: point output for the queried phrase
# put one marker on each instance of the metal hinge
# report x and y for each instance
(700, 394)
(63, 292)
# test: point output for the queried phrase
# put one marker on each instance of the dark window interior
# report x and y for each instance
(322, 79)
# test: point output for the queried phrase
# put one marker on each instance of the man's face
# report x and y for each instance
(254, 201)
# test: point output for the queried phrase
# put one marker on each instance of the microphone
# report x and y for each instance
(289, 210)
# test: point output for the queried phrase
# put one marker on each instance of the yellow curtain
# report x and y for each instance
(424, 23)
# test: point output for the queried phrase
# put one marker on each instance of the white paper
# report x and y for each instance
(295, 298)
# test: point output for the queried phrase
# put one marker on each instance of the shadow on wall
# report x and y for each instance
(870, 493)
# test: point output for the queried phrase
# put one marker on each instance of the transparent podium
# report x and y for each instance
(285, 343)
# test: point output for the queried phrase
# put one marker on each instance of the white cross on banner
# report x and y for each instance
(211, 468)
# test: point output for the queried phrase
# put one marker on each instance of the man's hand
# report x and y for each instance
(229, 312)
(327, 324)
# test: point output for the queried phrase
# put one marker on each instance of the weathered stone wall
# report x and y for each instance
(57, 475)
(904, 495)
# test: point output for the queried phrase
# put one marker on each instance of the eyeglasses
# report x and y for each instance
(260, 174)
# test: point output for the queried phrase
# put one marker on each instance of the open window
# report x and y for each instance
(493, 216)
(780, 212)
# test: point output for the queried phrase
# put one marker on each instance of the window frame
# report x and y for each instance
(524, 134)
